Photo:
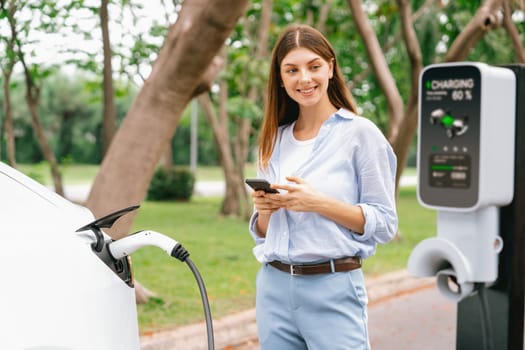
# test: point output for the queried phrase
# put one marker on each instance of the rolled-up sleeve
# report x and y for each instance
(253, 229)
(377, 196)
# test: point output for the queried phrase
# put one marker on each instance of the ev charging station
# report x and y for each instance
(471, 171)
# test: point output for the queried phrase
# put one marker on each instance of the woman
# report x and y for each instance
(335, 173)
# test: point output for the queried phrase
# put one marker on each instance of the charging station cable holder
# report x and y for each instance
(457, 262)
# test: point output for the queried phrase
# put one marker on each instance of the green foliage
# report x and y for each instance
(71, 103)
(206, 149)
(172, 184)
(70, 111)
(427, 30)
(244, 108)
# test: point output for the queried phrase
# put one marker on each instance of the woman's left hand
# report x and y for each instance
(300, 196)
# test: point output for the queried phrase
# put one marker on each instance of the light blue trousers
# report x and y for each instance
(316, 312)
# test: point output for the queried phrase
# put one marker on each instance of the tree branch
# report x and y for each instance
(485, 19)
(411, 42)
(513, 32)
(216, 65)
(323, 15)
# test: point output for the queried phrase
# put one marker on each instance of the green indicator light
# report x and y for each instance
(443, 167)
(434, 148)
(447, 120)
(428, 84)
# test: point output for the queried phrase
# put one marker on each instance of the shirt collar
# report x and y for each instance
(345, 114)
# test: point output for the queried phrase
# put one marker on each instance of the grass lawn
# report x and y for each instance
(71, 174)
(220, 247)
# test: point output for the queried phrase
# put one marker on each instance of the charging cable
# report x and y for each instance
(127, 245)
(488, 343)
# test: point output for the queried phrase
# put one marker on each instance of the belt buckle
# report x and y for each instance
(292, 270)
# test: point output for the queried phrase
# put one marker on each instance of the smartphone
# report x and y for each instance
(260, 184)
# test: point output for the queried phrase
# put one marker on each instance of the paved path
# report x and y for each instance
(420, 320)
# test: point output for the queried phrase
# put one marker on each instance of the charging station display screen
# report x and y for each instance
(449, 122)
(450, 171)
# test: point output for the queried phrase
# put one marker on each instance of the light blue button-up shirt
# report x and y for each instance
(351, 161)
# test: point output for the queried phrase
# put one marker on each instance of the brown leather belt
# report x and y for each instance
(337, 265)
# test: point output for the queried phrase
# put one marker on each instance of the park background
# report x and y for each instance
(107, 92)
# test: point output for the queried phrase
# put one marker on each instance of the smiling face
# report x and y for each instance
(305, 76)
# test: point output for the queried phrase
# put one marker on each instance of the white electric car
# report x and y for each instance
(58, 289)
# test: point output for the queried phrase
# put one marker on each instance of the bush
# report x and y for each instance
(173, 184)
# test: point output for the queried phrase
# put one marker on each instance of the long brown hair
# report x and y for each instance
(280, 109)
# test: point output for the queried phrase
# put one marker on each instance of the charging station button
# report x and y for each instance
(449, 170)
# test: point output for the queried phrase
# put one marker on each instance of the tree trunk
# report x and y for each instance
(323, 15)
(264, 30)
(8, 123)
(166, 160)
(67, 124)
(7, 73)
(109, 118)
(219, 125)
(230, 204)
(241, 154)
(380, 67)
(190, 46)
(32, 97)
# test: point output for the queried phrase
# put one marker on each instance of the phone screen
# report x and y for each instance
(260, 184)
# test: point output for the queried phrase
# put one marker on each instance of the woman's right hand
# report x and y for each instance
(265, 206)
(264, 203)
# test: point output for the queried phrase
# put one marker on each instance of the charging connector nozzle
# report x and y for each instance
(127, 245)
